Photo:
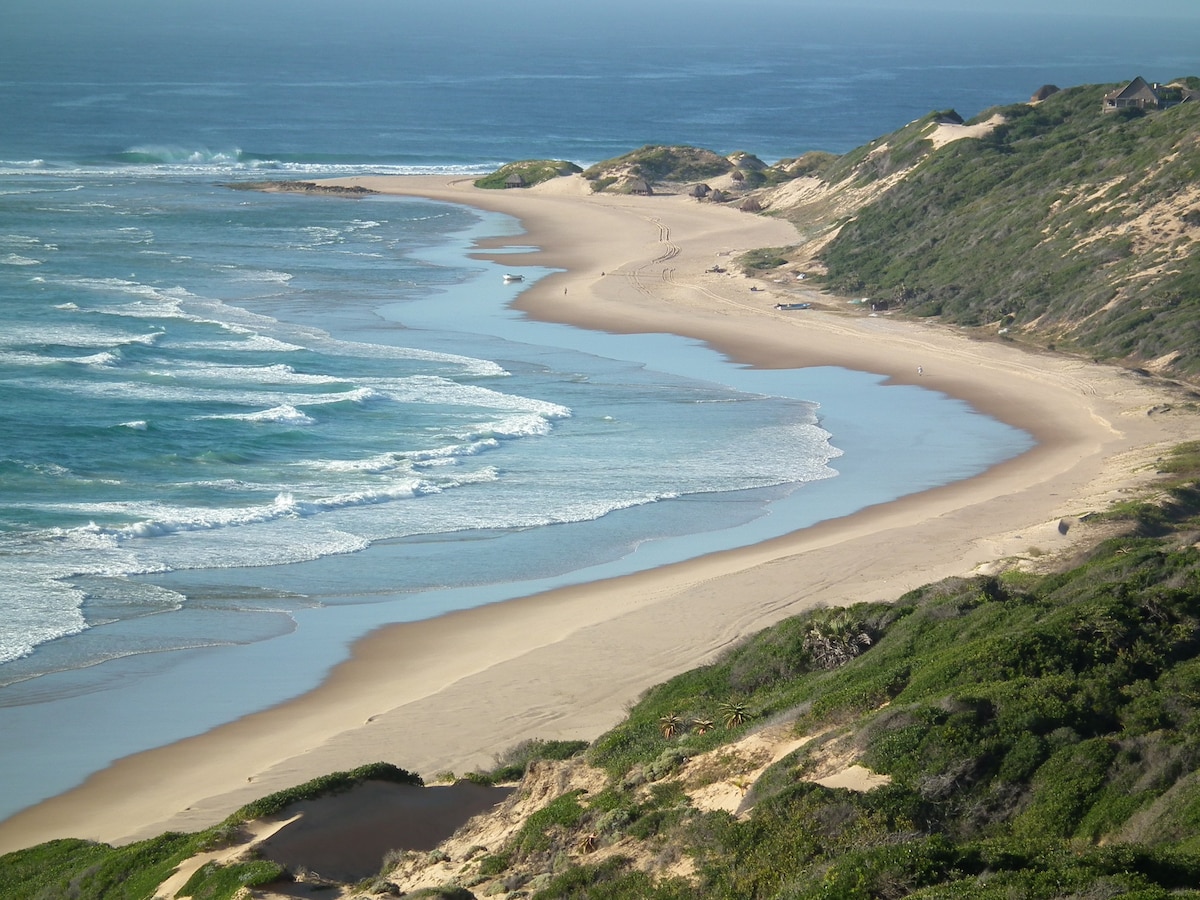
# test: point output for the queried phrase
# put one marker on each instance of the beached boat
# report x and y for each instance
(793, 306)
(510, 278)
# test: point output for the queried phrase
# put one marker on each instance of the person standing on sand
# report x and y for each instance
(920, 370)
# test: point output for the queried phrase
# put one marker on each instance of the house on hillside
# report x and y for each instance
(515, 180)
(1140, 94)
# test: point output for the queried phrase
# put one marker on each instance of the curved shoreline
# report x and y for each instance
(451, 692)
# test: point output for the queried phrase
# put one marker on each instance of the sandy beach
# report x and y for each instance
(451, 693)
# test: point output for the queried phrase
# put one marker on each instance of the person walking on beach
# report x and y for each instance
(920, 370)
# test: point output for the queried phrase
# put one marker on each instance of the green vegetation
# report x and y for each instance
(529, 172)
(886, 155)
(513, 763)
(758, 680)
(84, 870)
(336, 783)
(561, 814)
(1031, 227)
(654, 163)
(763, 259)
(212, 881)
(81, 869)
(816, 163)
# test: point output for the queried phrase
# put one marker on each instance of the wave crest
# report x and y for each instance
(284, 414)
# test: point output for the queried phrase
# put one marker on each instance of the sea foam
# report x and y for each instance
(283, 415)
(14, 259)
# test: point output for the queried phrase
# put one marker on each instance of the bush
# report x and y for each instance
(213, 881)
(531, 172)
(512, 764)
(763, 259)
(336, 782)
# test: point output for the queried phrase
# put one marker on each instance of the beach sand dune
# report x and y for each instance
(451, 693)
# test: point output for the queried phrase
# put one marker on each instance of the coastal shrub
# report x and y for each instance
(893, 870)
(1013, 202)
(531, 172)
(92, 871)
(814, 163)
(561, 814)
(48, 870)
(769, 676)
(1064, 789)
(600, 183)
(661, 163)
(613, 879)
(665, 764)
(213, 881)
(333, 783)
(513, 763)
(494, 864)
(220, 836)
(763, 259)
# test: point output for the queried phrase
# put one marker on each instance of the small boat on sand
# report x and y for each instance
(509, 278)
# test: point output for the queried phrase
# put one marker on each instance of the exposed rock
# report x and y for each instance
(302, 187)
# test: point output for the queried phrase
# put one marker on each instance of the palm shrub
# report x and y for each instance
(734, 713)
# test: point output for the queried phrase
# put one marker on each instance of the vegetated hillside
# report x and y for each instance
(1023, 735)
(1039, 734)
(1064, 224)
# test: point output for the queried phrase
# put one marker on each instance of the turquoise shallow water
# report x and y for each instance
(240, 430)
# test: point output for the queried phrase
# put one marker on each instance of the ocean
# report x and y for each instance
(240, 430)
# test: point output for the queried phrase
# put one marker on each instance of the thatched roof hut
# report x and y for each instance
(515, 180)
(751, 204)
(699, 191)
